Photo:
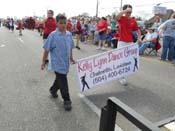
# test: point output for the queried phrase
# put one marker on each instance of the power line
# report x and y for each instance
(155, 4)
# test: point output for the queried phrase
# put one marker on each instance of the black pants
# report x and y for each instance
(115, 43)
(62, 84)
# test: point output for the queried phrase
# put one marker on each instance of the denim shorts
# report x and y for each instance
(102, 36)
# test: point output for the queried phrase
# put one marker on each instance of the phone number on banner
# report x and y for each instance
(115, 73)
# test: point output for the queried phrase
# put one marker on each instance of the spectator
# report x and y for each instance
(93, 29)
(78, 32)
(149, 40)
(115, 39)
(168, 31)
(12, 24)
(157, 23)
(102, 30)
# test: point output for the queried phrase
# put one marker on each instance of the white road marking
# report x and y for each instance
(20, 40)
(90, 104)
(170, 126)
(2, 46)
(95, 109)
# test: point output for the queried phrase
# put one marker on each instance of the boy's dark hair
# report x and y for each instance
(127, 6)
(51, 11)
(60, 17)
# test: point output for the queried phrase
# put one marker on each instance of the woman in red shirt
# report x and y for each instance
(102, 28)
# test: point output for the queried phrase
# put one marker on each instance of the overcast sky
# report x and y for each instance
(21, 8)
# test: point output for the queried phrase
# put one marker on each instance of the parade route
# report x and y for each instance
(26, 104)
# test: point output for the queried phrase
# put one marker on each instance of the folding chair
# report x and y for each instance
(154, 49)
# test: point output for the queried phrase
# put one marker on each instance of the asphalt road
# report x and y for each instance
(25, 102)
(26, 105)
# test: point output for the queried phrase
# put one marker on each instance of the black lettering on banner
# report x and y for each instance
(120, 71)
(112, 74)
(99, 79)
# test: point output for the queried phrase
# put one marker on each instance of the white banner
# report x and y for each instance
(108, 66)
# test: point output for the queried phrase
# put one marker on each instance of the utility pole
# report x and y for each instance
(97, 9)
(121, 4)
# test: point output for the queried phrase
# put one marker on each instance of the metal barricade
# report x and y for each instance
(109, 114)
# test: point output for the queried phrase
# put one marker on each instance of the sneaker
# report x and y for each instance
(123, 82)
(67, 105)
(99, 48)
(53, 94)
(78, 47)
(173, 62)
(162, 59)
(103, 48)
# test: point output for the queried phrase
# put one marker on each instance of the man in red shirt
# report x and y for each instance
(49, 26)
(126, 26)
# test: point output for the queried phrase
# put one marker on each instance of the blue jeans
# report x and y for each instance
(144, 46)
(168, 46)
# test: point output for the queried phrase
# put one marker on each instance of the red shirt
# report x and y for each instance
(19, 25)
(78, 26)
(126, 26)
(50, 25)
(101, 25)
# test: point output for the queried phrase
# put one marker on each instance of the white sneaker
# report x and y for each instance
(99, 48)
(103, 48)
(123, 81)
